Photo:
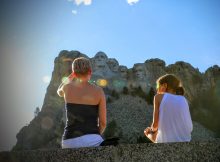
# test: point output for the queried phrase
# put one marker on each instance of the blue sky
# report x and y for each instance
(34, 32)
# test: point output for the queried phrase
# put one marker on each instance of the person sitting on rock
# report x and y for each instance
(171, 117)
(85, 106)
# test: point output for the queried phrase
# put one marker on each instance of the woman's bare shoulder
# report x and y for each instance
(68, 85)
(158, 97)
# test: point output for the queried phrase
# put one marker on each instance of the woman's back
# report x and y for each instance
(82, 93)
(175, 124)
(82, 106)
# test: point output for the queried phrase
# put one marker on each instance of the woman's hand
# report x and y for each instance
(71, 76)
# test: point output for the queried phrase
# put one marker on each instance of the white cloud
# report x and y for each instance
(86, 2)
(89, 2)
(46, 79)
(74, 12)
(131, 2)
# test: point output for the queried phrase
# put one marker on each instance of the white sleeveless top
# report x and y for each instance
(175, 124)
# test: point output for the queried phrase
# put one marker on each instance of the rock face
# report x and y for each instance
(126, 92)
(192, 151)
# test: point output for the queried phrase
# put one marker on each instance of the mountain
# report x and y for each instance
(129, 93)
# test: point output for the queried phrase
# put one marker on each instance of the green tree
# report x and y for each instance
(115, 94)
(139, 92)
(125, 90)
(109, 100)
(36, 112)
(150, 96)
(110, 129)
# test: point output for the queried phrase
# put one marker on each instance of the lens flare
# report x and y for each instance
(91, 81)
(65, 80)
(119, 84)
(78, 81)
(102, 82)
(157, 86)
(46, 79)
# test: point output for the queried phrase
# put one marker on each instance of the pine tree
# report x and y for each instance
(150, 96)
(125, 90)
(36, 112)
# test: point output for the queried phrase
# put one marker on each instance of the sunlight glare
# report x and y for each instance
(102, 82)
(46, 79)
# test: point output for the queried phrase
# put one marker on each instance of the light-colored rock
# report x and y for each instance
(100, 66)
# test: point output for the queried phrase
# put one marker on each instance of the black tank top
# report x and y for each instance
(80, 120)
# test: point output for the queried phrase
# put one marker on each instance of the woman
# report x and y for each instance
(171, 117)
(85, 107)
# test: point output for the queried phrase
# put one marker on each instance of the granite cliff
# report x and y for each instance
(129, 94)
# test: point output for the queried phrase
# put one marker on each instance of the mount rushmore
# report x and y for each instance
(127, 112)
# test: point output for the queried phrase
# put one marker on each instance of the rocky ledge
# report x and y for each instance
(186, 151)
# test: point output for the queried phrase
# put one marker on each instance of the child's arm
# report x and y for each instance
(154, 125)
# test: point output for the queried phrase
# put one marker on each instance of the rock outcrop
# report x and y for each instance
(126, 92)
(193, 151)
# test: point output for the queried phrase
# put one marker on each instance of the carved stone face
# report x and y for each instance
(113, 64)
(139, 71)
(123, 71)
(100, 59)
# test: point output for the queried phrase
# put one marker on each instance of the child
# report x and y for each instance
(171, 117)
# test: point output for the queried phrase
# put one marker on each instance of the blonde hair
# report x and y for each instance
(81, 66)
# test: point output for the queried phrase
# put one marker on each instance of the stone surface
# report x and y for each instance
(192, 151)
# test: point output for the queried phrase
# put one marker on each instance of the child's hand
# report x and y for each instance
(147, 130)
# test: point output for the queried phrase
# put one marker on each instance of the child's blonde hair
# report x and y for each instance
(172, 83)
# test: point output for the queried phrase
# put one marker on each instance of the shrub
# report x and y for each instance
(125, 91)
(110, 129)
(150, 96)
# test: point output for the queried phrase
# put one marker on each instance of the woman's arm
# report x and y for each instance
(102, 113)
(60, 90)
